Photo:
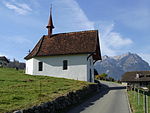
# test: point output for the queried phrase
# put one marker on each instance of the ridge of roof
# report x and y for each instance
(75, 32)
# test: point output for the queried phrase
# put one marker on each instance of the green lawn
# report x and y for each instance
(133, 98)
(18, 90)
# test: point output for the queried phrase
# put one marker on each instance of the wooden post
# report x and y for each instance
(40, 90)
(138, 98)
(144, 102)
(147, 103)
(134, 93)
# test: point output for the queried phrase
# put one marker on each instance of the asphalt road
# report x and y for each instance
(111, 99)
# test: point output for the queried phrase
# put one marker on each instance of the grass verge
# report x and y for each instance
(133, 99)
(20, 91)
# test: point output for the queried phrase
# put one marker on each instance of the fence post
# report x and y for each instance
(144, 102)
(138, 98)
(147, 102)
(40, 90)
(134, 93)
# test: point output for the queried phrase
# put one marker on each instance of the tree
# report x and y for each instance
(111, 79)
(104, 75)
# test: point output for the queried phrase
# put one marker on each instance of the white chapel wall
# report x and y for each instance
(29, 66)
(53, 66)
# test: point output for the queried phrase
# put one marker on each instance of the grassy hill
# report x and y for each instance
(18, 90)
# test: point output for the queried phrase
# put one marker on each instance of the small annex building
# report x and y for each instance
(137, 78)
(3, 61)
(67, 55)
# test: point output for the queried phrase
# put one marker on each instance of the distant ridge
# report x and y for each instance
(116, 66)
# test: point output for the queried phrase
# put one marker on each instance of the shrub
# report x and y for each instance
(101, 76)
(98, 77)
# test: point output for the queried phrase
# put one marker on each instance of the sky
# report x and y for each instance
(123, 25)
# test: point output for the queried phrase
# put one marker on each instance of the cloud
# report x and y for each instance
(20, 8)
(74, 17)
(116, 40)
(105, 50)
(79, 14)
(112, 42)
(24, 6)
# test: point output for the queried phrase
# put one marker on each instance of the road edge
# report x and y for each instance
(128, 101)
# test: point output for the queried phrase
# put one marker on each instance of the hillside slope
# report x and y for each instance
(18, 90)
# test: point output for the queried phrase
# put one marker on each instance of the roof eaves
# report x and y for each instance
(59, 55)
(30, 55)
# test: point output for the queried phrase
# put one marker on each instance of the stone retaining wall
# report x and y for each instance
(62, 102)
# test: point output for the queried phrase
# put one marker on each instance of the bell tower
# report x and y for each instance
(50, 25)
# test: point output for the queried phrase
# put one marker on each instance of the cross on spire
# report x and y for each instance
(50, 25)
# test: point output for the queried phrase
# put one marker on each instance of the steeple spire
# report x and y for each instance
(50, 25)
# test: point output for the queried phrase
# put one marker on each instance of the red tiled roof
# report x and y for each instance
(132, 76)
(83, 42)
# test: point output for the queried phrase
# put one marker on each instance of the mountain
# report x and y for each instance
(116, 66)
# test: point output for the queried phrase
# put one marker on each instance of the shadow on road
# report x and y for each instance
(104, 90)
(117, 88)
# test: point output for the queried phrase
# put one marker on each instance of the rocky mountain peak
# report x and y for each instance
(119, 57)
(116, 66)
